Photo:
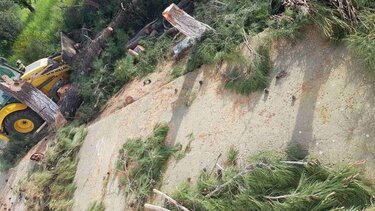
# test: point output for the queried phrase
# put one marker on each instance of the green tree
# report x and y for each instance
(25, 3)
(10, 25)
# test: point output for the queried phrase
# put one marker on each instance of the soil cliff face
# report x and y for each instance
(324, 103)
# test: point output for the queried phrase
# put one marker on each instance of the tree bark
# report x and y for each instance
(36, 100)
(27, 5)
(93, 50)
(186, 24)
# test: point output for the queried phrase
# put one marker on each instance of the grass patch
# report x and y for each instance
(96, 207)
(269, 184)
(51, 186)
(176, 72)
(246, 78)
(141, 163)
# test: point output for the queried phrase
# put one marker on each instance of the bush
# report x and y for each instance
(125, 69)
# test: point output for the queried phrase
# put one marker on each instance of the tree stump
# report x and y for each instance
(186, 24)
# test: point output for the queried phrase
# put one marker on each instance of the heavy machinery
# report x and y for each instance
(50, 75)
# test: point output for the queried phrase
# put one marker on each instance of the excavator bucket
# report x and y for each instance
(68, 51)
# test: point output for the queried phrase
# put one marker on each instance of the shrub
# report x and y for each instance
(125, 69)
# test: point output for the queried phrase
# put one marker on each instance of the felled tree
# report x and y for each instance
(35, 99)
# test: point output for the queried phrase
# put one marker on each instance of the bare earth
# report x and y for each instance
(332, 117)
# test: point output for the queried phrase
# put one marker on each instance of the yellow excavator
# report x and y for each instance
(50, 75)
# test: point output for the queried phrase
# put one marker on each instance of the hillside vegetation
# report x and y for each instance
(267, 183)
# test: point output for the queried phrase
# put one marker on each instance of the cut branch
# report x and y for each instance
(154, 207)
(174, 202)
(222, 186)
(279, 197)
(295, 162)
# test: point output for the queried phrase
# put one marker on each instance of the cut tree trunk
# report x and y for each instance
(35, 99)
(158, 25)
(93, 50)
(186, 24)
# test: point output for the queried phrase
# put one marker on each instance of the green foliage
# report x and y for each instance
(270, 184)
(97, 207)
(141, 163)
(51, 185)
(231, 20)
(232, 156)
(15, 149)
(363, 40)
(247, 78)
(125, 69)
(10, 25)
(25, 3)
(176, 72)
(330, 22)
(40, 37)
(156, 52)
(289, 25)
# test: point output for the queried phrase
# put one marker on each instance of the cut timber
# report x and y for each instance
(35, 99)
(68, 50)
(158, 26)
(184, 22)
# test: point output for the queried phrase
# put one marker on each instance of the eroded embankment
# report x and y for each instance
(324, 103)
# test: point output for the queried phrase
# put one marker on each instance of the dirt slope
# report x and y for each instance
(332, 117)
